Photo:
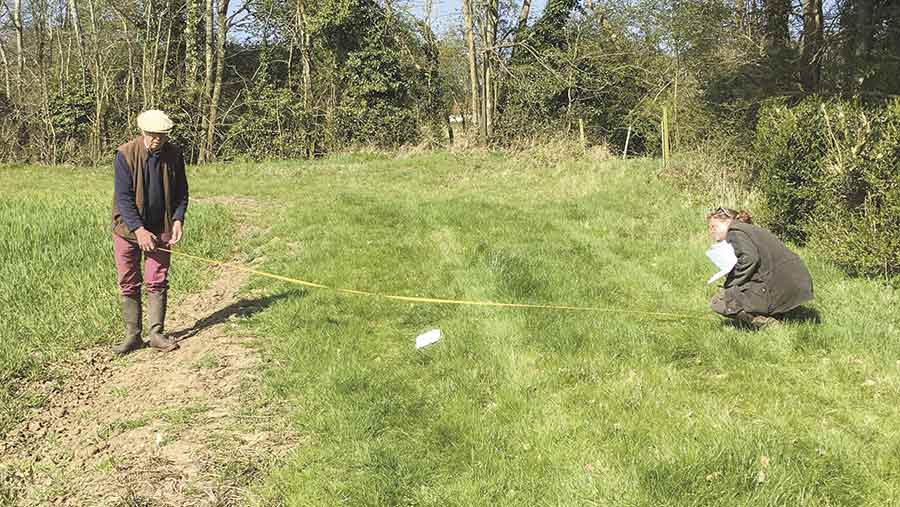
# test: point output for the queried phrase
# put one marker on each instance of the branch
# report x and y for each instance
(244, 8)
(125, 17)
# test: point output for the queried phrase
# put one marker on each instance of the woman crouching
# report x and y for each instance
(768, 279)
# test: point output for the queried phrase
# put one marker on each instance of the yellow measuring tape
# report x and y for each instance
(412, 299)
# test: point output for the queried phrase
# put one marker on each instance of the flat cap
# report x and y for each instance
(155, 121)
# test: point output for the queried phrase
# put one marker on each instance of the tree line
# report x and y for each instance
(298, 78)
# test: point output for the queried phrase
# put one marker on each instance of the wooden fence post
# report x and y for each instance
(581, 133)
(665, 137)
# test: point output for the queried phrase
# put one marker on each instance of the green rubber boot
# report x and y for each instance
(131, 314)
(156, 310)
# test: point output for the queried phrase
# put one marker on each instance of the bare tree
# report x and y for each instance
(79, 41)
(489, 40)
(305, 41)
(191, 54)
(99, 82)
(777, 17)
(147, 55)
(522, 25)
(131, 84)
(221, 36)
(209, 20)
(164, 78)
(5, 62)
(865, 20)
(20, 51)
(473, 62)
(810, 59)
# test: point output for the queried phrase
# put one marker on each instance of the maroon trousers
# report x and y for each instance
(128, 267)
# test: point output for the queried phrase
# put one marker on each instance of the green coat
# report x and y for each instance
(768, 279)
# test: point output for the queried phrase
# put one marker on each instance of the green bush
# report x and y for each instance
(789, 145)
(274, 125)
(575, 68)
(376, 104)
(829, 172)
(379, 125)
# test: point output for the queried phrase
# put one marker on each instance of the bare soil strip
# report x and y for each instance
(186, 428)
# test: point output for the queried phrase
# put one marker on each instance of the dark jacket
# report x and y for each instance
(768, 279)
(131, 205)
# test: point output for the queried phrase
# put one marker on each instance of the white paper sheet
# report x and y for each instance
(723, 256)
(427, 338)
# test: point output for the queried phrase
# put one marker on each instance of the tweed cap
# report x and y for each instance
(155, 121)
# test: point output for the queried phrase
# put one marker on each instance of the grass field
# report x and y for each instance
(512, 407)
(57, 277)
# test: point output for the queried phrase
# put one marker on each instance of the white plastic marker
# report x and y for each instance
(722, 255)
(427, 338)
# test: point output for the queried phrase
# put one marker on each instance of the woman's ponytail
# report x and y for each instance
(744, 216)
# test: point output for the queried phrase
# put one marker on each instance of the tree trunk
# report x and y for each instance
(893, 20)
(3, 59)
(98, 80)
(191, 55)
(20, 52)
(777, 37)
(155, 72)
(473, 61)
(62, 74)
(305, 40)
(813, 34)
(521, 25)
(865, 13)
(209, 20)
(305, 54)
(777, 17)
(490, 58)
(39, 22)
(130, 86)
(65, 57)
(146, 80)
(164, 75)
(487, 93)
(79, 40)
(221, 36)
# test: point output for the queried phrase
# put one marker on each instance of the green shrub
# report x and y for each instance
(273, 125)
(379, 125)
(376, 105)
(789, 145)
(829, 172)
(575, 69)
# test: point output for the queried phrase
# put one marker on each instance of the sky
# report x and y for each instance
(447, 13)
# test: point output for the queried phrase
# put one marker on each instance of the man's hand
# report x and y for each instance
(146, 239)
(176, 233)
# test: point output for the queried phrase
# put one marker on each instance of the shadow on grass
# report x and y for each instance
(239, 309)
(799, 315)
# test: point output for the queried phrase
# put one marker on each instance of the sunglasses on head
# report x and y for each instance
(722, 212)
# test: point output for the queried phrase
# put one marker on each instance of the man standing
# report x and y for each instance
(150, 200)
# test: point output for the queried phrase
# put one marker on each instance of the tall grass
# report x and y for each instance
(58, 288)
(517, 407)
(520, 407)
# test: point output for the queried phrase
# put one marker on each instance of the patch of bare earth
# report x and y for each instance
(189, 427)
